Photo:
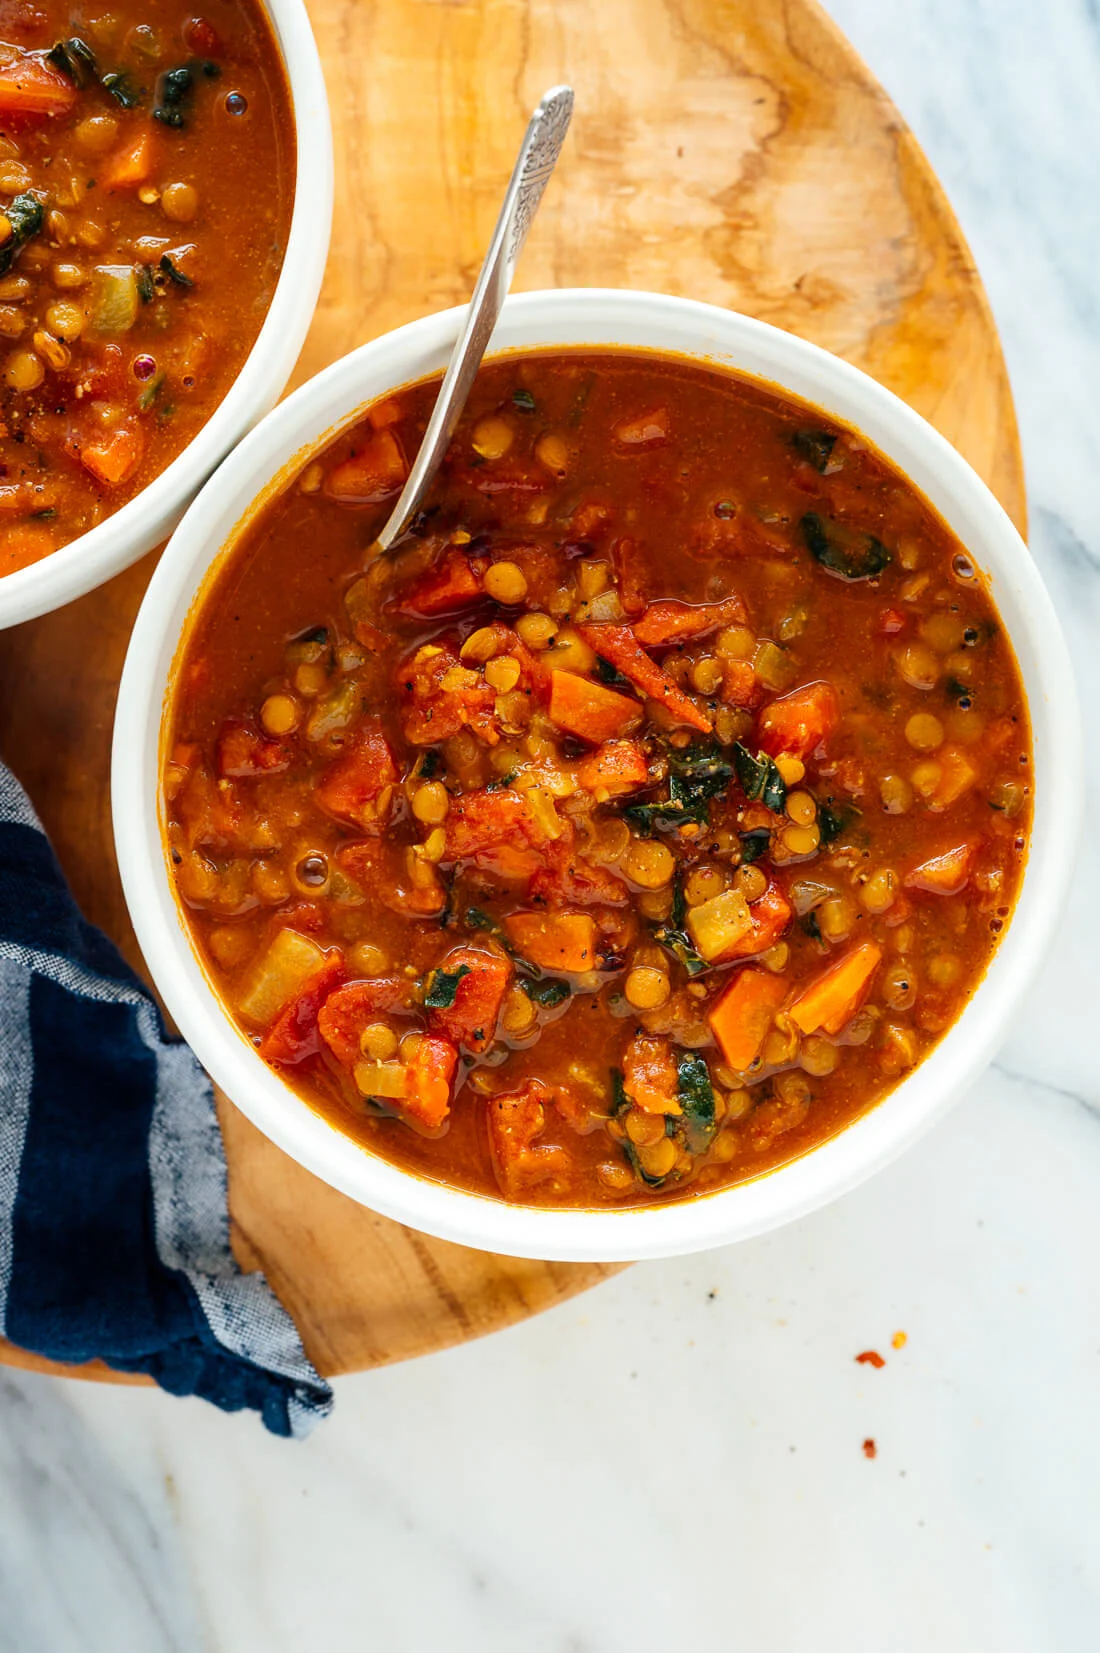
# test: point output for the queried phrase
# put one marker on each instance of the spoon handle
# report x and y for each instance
(535, 162)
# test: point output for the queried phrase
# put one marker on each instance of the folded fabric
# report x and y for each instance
(114, 1224)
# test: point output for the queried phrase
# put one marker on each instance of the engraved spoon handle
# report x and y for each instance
(535, 162)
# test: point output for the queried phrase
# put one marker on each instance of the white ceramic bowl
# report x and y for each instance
(151, 515)
(327, 404)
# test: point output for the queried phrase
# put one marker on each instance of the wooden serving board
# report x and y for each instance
(732, 150)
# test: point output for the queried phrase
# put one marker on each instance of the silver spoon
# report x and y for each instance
(535, 162)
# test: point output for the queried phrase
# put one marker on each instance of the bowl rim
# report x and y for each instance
(128, 533)
(599, 318)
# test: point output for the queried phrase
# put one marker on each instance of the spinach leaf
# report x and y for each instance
(696, 775)
(844, 551)
(121, 87)
(760, 779)
(174, 273)
(678, 943)
(754, 844)
(523, 400)
(175, 88)
(25, 215)
(548, 992)
(145, 284)
(696, 1095)
(815, 446)
(442, 987)
(75, 59)
(811, 926)
(620, 1102)
(609, 674)
(831, 823)
(151, 392)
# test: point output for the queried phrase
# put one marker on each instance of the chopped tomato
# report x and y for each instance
(439, 696)
(346, 1013)
(944, 874)
(403, 882)
(768, 917)
(115, 457)
(650, 1077)
(428, 1079)
(294, 1033)
(484, 820)
(353, 787)
(470, 1019)
(798, 722)
(242, 751)
(30, 88)
(565, 878)
(454, 584)
(516, 1119)
(672, 622)
(617, 767)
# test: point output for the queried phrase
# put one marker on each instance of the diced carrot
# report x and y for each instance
(944, 874)
(385, 413)
(618, 644)
(617, 767)
(453, 584)
(830, 999)
(428, 1082)
(471, 1020)
(29, 87)
(892, 622)
(798, 722)
(243, 751)
(294, 1033)
(370, 473)
(554, 941)
(115, 457)
(591, 711)
(957, 776)
(352, 786)
(650, 1076)
(130, 165)
(741, 1017)
(769, 917)
(515, 1120)
(346, 1012)
(668, 621)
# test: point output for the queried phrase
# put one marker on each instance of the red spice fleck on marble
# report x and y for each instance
(870, 1450)
(871, 1357)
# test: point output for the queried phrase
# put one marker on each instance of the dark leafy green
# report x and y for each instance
(151, 391)
(847, 552)
(696, 1095)
(442, 987)
(619, 1099)
(674, 937)
(75, 59)
(175, 89)
(760, 779)
(121, 87)
(815, 446)
(25, 215)
(172, 270)
(696, 775)
(547, 992)
(811, 926)
(831, 823)
(523, 400)
(145, 284)
(754, 844)
(609, 674)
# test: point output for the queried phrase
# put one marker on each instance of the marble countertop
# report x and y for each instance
(677, 1458)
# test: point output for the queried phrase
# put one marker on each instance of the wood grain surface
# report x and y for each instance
(732, 150)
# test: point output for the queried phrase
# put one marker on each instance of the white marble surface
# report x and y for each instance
(675, 1461)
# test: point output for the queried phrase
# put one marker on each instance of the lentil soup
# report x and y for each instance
(147, 162)
(637, 823)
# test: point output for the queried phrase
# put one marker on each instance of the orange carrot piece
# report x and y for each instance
(668, 621)
(116, 456)
(830, 1000)
(798, 722)
(957, 776)
(590, 710)
(453, 584)
(619, 645)
(129, 166)
(428, 1082)
(650, 1076)
(617, 767)
(30, 86)
(554, 941)
(944, 874)
(370, 473)
(741, 1018)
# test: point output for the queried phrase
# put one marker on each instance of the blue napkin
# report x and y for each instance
(114, 1224)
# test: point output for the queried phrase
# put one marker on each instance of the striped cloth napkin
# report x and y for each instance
(114, 1224)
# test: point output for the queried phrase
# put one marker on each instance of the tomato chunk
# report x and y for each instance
(619, 645)
(32, 88)
(516, 1120)
(353, 787)
(671, 622)
(345, 1013)
(244, 751)
(470, 1019)
(617, 767)
(650, 1077)
(294, 1033)
(944, 874)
